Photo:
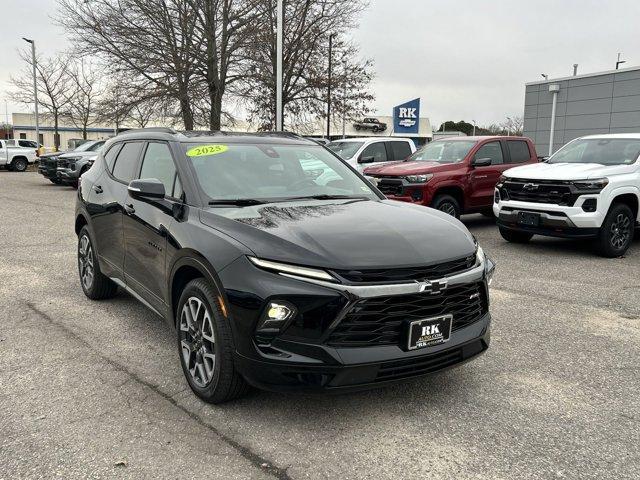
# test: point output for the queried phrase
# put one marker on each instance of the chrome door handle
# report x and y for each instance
(97, 189)
(129, 209)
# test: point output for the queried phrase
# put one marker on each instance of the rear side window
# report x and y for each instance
(491, 150)
(399, 150)
(111, 155)
(519, 151)
(158, 164)
(375, 150)
(127, 161)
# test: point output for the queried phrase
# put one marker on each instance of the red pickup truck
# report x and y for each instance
(456, 175)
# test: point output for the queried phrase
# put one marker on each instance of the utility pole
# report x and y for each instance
(35, 87)
(344, 102)
(279, 54)
(619, 62)
(329, 87)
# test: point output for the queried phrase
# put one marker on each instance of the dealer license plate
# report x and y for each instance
(429, 331)
(528, 218)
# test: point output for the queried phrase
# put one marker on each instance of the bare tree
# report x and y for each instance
(84, 95)
(53, 84)
(151, 42)
(513, 125)
(308, 24)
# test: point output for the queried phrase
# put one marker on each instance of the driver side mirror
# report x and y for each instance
(366, 159)
(481, 162)
(146, 188)
(543, 159)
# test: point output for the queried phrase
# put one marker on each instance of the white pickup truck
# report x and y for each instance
(15, 157)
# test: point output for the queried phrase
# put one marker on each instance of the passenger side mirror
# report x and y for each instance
(481, 162)
(146, 188)
(366, 159)
(543, 159)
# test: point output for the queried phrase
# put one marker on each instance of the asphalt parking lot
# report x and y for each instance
(95, 389)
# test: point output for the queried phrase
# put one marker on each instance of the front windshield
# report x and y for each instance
(272, 172)
(88, 146)
(345, 150)
(443, 151)
(603, 151)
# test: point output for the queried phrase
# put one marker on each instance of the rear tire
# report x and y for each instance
(94, 284)
(616, 233)
(447, 204)
(205, 345)
(515, 236)
(19, 164)
(57, 181)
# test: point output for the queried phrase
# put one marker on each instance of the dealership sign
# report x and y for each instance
(406, 117)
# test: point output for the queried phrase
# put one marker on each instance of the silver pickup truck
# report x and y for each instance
(15, 157)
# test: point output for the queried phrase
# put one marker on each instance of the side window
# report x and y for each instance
(158, 164)
(96, 146)
(177, 187)
(491, 150)
(377, 151)
(127, 161)
(111, 155)
(519, 151)
(399, 150)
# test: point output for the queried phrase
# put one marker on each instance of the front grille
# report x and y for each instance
(421, 273)
(538, 191)
(383, 320)
(390, 186)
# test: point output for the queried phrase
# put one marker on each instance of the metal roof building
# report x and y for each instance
(605, 102)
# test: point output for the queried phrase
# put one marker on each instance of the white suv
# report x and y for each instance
(590, 188)
(365, 152)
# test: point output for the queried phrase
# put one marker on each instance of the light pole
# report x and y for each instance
(344, 102)
(35, 87)
(553, 89)
(474, 127)
(619, 62)
(329, 86)
(279, 37)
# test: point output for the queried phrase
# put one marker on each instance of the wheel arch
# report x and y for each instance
(81, 221)
(187, 267)
(626, 196)
(455, 191)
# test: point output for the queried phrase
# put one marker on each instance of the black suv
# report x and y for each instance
(278, 265)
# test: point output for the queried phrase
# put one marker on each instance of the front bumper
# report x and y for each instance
(67, 175)
(370, 367)
(302, 356)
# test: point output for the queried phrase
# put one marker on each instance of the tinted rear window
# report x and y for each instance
(127, 161)
(519, 151)
(400, 150)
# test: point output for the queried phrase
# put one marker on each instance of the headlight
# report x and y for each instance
(489, 265)
(502, 179)
(285, 268)
(418, 178)
(595, 185)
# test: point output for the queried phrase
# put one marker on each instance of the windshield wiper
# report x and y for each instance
(238, 202)
(325, 196)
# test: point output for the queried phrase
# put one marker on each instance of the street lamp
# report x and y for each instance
(35, 87)
(619, 62)
(279, 36)
(553, 89)
(474, 127)
(545, 76)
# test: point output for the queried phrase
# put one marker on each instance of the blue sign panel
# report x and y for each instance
(406, 118)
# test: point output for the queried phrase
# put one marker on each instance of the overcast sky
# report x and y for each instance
(465, 59)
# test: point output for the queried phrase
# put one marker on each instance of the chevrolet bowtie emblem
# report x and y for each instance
(434, 288)
(530, 186)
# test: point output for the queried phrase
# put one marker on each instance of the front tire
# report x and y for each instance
(94, 284)
(515, 236)
(616, 232)
(447, 204)
(205, 345)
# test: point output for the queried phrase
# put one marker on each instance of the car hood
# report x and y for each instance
(396, 169)
(345, 234)
(70, 155)
(567, 171)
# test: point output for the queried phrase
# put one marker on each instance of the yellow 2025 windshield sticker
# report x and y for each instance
(203, 150)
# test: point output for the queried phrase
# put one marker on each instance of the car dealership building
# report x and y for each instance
(605, 102)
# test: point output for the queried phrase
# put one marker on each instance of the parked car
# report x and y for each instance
(589, 189)
(372, 124)
(49, 162)
(72, 165)
(15, 157)
(455, 175)
(362, 152)
(271, 278)
(28, 144)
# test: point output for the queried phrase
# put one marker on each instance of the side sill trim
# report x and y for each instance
(131, 292)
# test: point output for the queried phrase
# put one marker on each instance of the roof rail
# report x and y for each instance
(148, 130)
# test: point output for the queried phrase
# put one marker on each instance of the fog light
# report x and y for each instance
(277, 316)
(416, 195)
(590, 205)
